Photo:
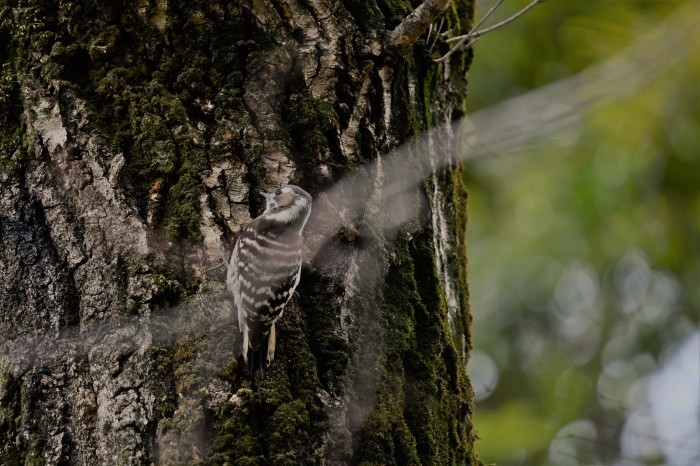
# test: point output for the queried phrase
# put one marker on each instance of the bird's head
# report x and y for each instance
(287, 205)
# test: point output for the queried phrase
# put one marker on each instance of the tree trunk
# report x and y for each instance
(135, 136)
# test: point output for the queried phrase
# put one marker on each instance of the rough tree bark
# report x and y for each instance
(135, 135)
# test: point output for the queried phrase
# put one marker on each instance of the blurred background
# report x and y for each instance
(585, 252)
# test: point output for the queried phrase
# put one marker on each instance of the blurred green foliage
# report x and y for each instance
(584, 247)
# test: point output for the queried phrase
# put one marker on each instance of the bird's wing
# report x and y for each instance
(263, 272)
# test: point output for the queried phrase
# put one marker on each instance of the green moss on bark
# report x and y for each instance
(395, 11)
(281, 420)
(312, 127)
(12, 147)
(323, 326)
(422, 401)
(10, 441)
(19, 445)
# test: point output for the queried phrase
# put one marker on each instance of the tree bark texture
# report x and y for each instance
(135, 137)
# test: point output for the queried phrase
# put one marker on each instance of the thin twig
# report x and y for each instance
(486, 16)
(462, 39)
(437, 33)
(474, 35)
(223, 263)
(504, 22)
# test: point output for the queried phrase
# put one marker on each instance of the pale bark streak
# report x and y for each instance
(348, 138)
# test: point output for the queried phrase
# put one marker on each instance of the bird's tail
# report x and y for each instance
(257, 359)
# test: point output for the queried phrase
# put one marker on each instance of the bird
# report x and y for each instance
(265, 269)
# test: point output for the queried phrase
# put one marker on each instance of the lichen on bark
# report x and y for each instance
(134, 135)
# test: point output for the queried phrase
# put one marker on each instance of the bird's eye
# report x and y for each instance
(278, 193)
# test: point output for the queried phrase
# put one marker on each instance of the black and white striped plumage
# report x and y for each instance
(264, 271)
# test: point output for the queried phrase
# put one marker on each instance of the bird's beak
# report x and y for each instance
(265, 195)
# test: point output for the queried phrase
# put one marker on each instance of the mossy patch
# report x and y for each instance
(422, 398)
(235, 440)
(386, 438)
(312, 127)
(318, 298)
(395, 11)
(366, 13)
(165, 395)
(10, 420)
(23, 438)
(406, 119)
(12, 145)
(279, 421)
(460, 196)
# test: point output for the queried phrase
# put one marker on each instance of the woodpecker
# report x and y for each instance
(264, 271)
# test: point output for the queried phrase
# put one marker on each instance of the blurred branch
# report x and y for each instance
(413, 25)
(475, 34)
